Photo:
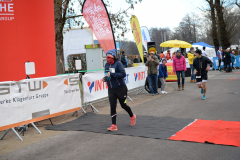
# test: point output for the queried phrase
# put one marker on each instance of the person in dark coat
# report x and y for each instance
(144, 58)
(227, 58)
(135, 60)
(123, 59)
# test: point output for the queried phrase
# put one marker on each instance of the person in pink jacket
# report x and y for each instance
(179, 67)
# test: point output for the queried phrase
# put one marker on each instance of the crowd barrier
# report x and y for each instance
(94, 88)
(238, 61)
(31, 100)
(216, 63)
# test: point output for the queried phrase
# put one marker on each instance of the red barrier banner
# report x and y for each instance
(96, 15)
(27, 34)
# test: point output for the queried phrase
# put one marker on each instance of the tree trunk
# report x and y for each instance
(222, 25)
(59, 24)
(214, 25)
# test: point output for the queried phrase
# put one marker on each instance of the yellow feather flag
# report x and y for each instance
(137, 35)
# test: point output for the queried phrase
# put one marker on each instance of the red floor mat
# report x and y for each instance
(217, 132)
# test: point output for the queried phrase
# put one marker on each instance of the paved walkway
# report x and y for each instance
(223, 102)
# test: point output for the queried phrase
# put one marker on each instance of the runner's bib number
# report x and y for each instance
(112, 70)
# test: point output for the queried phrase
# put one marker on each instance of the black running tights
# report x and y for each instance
(119, 94)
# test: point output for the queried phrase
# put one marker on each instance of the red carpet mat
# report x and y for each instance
(210, 131)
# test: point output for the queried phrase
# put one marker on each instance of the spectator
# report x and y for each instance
(135, 60)
(126, 62)
(174, 54)
(191, 56)
(162, 55)
(144, 58)
(227, 60)
(219, 55)
(168, 55)
(158, 56)
(163, 75)
(233, 58)
(123, 59)
(179, 67)
(204, 53)
(152, 64)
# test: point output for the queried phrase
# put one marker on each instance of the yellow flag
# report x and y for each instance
(137, 35)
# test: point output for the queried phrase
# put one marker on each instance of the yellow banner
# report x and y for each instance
(137, 35)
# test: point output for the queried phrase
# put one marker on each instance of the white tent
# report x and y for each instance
(210, 51)
(172, 50)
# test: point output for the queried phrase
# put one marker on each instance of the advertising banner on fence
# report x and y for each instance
(235, 64)
(32, 100)
(238, 61)
(137, 35)
(145, 36)
(94, 88)
(216, 63)
(171, 76)
(96, 15)
(211, 68)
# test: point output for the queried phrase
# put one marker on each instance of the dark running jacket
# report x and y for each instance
(123, 60)
(200, 64)
(117, 78)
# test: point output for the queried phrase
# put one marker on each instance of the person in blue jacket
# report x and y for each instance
(126, 62)
(117, 89)
(232, 58)
(163, 75)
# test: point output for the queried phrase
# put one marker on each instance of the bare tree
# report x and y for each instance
(188, 29)
(214, 24)
(160, 35)
(222, 24)
(65, 14)
(129, 47)
(232, 18)
(237, 3)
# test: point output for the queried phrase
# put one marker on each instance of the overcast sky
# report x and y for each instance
(160, 13)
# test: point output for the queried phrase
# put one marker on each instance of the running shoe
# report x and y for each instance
(203, 97)
(201, 90)
(152, 94)
(165, 92)
(157, 93)
(113, 127)
(133, 120)
(162, 92)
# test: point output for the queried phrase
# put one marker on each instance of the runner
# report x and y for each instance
(117, 89)
(201, 66)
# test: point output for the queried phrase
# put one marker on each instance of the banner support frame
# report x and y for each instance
(142, 89)
(5, 133)
(36, 128)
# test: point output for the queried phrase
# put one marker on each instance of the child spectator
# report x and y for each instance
(163, 75)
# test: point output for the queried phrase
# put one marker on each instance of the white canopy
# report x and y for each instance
(210, 51)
